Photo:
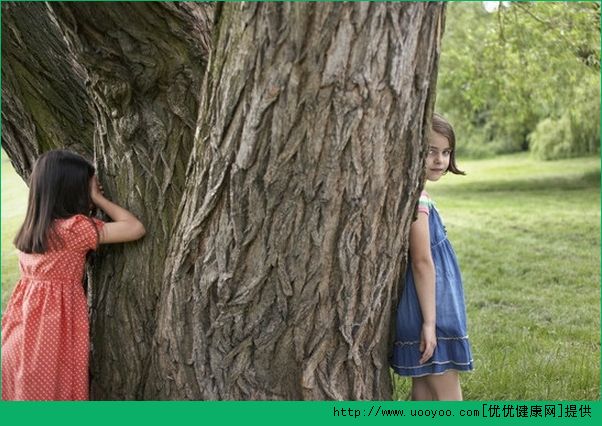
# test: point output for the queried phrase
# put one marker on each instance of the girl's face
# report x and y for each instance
(437, 160)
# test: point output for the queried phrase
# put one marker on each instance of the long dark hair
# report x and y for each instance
(444, 128)
(59, 187)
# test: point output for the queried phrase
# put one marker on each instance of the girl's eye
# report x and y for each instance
(445, 153)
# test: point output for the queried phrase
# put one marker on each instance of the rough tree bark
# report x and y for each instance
(278, 180)
(44, 100)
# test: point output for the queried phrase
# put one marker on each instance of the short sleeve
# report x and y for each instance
(84, 233)
(424, 203)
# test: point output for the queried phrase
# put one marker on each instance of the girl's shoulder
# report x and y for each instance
(77, 222)
(79, 231)
(425, 203)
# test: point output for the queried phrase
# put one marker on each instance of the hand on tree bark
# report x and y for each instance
(96, 190)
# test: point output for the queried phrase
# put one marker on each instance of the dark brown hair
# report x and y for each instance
(59, 187)
(441, 126)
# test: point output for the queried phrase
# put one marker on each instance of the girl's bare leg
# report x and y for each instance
(421, 390)
(446, 386)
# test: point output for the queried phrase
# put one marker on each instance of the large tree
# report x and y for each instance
(274, 152)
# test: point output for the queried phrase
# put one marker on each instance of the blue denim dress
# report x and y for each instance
(453, 348)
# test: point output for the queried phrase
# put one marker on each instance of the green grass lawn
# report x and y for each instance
(14, 204)
(527, 235)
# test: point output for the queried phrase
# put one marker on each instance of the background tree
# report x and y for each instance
(524, 77)
(274, 152)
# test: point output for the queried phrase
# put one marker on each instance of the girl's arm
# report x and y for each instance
(125, 226)
(423, 270)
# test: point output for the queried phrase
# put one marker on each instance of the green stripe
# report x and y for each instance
(426, 202)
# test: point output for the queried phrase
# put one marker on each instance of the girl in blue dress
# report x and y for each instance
(431, 343)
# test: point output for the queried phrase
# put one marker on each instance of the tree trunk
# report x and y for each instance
(272, 263)
(44, 100)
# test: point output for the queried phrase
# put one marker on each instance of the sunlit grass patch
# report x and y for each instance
(14, 203)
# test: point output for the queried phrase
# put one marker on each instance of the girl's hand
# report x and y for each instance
(96, 191)
(428, 342)
(124, 227)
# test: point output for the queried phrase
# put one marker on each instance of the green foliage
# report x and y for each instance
(501, 74)
(575, 133)
(552, 138)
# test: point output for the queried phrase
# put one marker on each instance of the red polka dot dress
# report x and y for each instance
(45, 332)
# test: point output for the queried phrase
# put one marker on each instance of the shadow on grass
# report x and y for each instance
(588, 180)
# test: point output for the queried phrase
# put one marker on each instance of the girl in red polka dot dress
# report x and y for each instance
(45, 340)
